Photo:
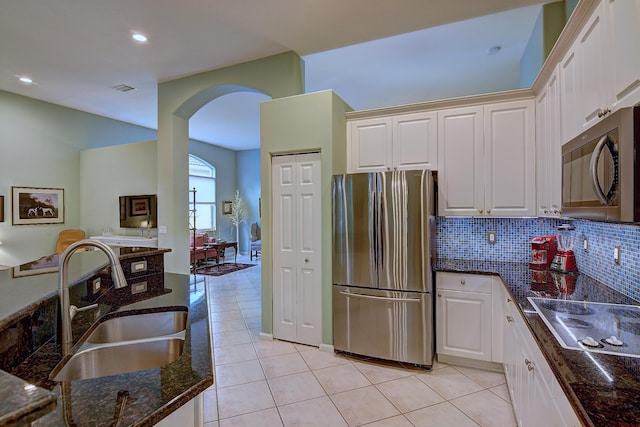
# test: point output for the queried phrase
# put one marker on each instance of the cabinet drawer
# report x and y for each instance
(464, 282)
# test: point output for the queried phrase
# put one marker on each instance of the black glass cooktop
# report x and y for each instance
(598, 327)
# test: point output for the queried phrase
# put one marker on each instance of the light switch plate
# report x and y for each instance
(162, 229)
(616, 254)
(491, 237)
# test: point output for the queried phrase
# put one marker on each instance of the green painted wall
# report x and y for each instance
(297, 124)
(277, 76)
(546, 31)
(108, 173)
(41, 145)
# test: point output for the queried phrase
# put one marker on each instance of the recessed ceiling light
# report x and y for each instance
(139, 37)
(25, 80)
(494, 49)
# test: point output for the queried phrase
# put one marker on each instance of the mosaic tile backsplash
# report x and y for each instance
(466, 238)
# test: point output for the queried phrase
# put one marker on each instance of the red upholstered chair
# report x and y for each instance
(202, 253)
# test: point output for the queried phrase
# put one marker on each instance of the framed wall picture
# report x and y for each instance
(46, 264)
(227, 207)
(139, 206)
(33, 205)
(1, 208)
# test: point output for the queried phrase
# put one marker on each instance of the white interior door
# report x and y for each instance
(297, 279)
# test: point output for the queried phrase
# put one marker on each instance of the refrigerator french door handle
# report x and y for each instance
(349, 294)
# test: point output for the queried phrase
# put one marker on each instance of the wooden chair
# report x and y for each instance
(67, 237)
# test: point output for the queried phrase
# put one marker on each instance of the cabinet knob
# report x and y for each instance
(529, 364)
(306, 260)
(480, 210)
(508, 299)
(439, 295)
(509, 319)
(488, 211)
(545, 211)
(462, 282)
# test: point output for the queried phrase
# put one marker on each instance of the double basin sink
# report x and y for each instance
(124, 344)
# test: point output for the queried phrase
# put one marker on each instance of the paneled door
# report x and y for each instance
(297, 275)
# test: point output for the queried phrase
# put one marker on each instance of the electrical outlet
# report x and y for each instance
(585, 243)
(616, 254)
(491, 237)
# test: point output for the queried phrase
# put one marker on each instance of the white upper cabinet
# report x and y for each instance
(600, 72)
(510, 158)
(460, 156)
(594, 78)
(415, 144)
(624, 33)
(369, 144)
(548, 148)
(406, 141)
(487, 160)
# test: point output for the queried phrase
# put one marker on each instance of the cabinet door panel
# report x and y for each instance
(370, 148)
(460, 148)
(624, 29)
(464, 324)
(592, 73)
(415, 141)
(509, 151)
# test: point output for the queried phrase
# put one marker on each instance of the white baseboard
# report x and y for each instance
(266, 337)
(326, 348)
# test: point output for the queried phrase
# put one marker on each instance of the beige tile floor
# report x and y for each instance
(277, 383)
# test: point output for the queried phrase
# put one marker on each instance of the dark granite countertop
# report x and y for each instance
(152, 394)
(597, 399)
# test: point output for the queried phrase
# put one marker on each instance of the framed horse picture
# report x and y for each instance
(32, 205)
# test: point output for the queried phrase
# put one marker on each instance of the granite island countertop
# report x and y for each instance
(26, 393)
(596, 398)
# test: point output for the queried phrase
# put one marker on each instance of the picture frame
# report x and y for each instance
(227, 207)
(1, 208)
(37, 205)
(139, 206)
(44, 265)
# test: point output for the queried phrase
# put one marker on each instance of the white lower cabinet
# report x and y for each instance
(536, 395)
(190, 414)
(464, 316)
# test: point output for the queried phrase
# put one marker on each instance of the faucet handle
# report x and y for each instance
(73, 310)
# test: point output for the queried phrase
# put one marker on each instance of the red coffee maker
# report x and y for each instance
(543, 250)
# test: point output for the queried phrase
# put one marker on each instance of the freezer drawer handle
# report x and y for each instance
(349, 294)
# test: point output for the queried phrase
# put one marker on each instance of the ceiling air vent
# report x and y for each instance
(123, 88)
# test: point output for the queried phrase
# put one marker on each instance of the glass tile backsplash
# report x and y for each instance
(467, 238)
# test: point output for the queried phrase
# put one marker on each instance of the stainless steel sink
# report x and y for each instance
(124, 344)
(120, 358)
(138, 326)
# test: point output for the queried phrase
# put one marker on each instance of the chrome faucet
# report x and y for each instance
(117, 274)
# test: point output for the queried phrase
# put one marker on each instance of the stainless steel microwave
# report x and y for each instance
(601, 170)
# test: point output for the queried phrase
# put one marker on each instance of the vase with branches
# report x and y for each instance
(238, 213)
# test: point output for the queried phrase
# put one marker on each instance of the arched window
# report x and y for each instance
(202, 177)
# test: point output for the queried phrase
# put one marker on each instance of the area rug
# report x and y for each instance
(224, 269)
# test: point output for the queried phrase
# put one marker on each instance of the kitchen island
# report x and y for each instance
(29, 351)
(602, 389)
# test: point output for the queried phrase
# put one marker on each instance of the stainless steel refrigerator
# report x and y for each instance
(382, 280)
